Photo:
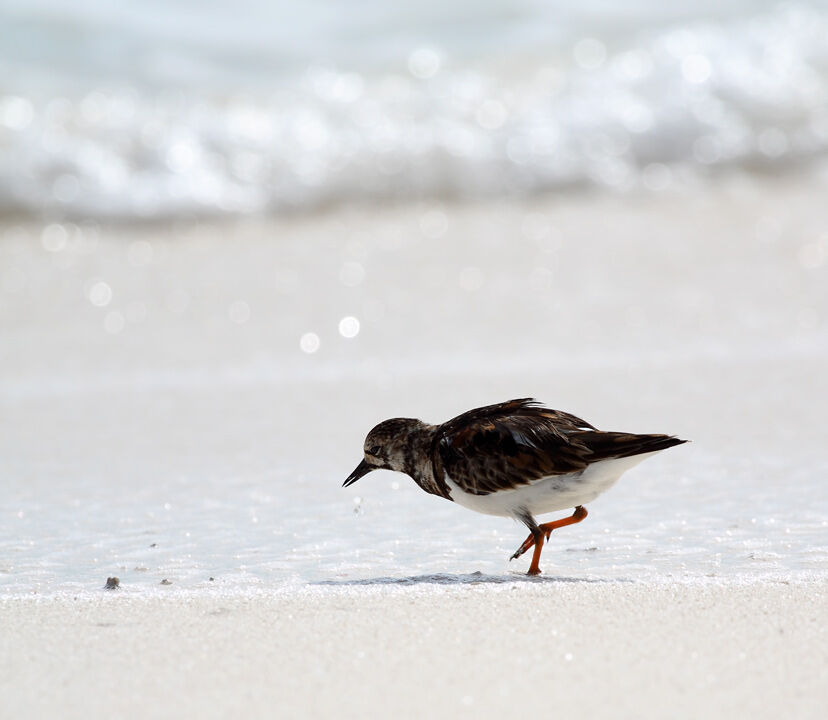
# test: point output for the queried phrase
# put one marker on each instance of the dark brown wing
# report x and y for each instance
(508, 444)
(513, 443)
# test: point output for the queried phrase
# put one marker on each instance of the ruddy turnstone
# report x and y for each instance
(516, 459)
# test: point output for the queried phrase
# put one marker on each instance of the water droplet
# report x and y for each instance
(100, 294)
(309, 342)
(349, 327)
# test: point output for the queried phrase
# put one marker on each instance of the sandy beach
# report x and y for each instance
(559, 646)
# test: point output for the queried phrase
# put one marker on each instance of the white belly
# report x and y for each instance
(555, 492)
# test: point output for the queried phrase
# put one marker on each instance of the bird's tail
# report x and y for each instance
(604, 445)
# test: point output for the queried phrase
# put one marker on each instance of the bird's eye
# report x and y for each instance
(374, 450)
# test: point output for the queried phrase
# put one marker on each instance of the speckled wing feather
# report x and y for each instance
(503, 446)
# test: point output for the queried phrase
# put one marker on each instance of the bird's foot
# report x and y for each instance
(529, 542)
(516, 554)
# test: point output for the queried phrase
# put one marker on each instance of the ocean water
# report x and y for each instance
(158, 109)
(183, 401)
(208, 497)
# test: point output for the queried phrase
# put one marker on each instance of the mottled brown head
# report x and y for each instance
(390, 446)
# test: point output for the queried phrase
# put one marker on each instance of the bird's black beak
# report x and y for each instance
(362, 469)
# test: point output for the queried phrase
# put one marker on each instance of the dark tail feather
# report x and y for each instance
(605, 445)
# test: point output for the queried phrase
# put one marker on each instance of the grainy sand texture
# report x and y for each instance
(556, 647)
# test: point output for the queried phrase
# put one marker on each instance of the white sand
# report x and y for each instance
(543, 649)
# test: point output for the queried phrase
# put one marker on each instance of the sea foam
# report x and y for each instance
(283, 109)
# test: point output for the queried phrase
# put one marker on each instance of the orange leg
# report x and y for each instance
(544, 531)
(534, 568)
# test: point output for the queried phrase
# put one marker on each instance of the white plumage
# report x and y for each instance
(551, 493)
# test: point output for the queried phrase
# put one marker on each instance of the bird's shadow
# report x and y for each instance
(475, 578)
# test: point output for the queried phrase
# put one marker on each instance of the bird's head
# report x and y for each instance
(388, 447)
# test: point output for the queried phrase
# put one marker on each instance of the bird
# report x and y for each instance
(515, 459)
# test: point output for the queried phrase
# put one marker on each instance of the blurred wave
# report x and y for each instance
(158, 109)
